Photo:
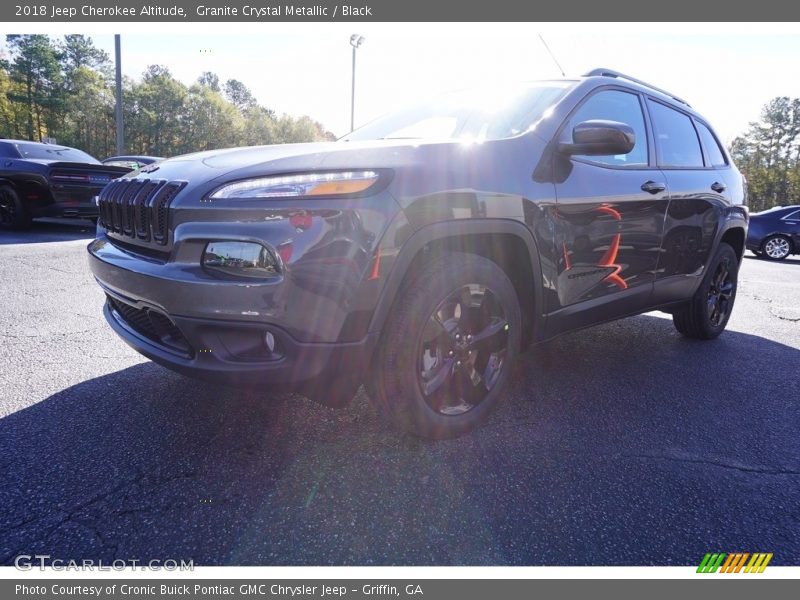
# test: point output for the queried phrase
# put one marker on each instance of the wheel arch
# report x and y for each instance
(736, 237)
(508, 243)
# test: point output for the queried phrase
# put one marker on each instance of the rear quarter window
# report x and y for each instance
(711, 144)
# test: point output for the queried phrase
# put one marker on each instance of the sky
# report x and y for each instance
(726, 72)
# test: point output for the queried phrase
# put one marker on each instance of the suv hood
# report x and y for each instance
(254, 161)
(454, 161)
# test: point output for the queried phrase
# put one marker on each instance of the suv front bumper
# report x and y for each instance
(145, 311)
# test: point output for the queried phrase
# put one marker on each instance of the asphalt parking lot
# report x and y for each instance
(622, 444)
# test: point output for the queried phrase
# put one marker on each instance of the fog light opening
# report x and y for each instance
(240, 259)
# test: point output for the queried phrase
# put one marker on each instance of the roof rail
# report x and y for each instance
(611, 73)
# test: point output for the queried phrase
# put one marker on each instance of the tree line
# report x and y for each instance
(768, 154)
(64, 89)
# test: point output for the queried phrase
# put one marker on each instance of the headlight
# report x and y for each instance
(335, 183)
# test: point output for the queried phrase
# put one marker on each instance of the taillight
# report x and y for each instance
(76, 177)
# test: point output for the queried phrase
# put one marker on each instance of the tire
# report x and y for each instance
(776, 247)
(705, 316)
(448, 347)
(13, 215)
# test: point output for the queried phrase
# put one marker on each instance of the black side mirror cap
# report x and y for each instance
(599, 138)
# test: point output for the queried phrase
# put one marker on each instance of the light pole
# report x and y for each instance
(118, 105)
(355, 41)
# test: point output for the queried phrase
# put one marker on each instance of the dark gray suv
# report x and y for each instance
(423, 252)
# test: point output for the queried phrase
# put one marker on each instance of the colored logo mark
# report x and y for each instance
(734, 562)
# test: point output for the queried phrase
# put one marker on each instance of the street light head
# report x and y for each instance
(356, 40)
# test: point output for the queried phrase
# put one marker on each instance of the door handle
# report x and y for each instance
(718, 187)
(653, 187)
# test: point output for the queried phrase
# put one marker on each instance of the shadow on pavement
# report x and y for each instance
(50, 230)
(623, 444)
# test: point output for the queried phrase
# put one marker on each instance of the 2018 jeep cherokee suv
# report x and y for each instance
(423, 252)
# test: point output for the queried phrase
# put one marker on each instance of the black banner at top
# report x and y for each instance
(397, 10)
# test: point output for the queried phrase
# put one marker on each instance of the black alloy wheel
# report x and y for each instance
(706, 315)
(462, 350)
(12, 213)
(448, 347)
(720, 292)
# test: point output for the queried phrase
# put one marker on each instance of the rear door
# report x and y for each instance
(697, 199)
(610, 216)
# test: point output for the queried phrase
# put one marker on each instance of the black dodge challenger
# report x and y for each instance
(47, 180)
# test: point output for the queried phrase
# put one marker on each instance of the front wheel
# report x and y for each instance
(446, 353)
(705, 316)
(777, 247)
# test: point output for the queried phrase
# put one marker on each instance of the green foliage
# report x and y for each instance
(37, 74)
(239, 95)
(65, 90)
(210, 80)
(768, 154)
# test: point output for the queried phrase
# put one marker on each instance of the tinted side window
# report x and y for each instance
(676, 139)
(711, 145)
(614, 105)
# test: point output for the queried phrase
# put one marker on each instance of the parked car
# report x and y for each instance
(47, 180)
(131, 162)
(423, 252)
(775, 233)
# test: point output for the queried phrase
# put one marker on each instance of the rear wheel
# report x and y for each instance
(13, 214)
(776, 247)
(446, 352)
(705, 316)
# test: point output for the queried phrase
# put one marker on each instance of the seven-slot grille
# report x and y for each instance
(138, 208)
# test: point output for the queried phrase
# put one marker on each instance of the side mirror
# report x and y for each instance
(599, 138)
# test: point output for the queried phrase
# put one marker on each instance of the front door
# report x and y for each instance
(609, 214)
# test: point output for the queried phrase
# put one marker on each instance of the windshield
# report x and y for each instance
(479, 114)
(61, 153)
